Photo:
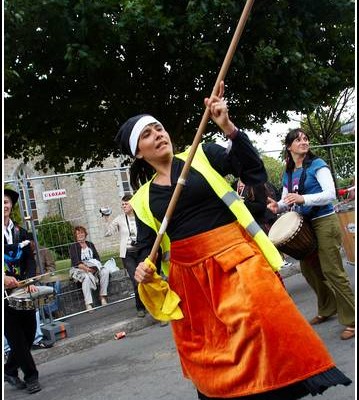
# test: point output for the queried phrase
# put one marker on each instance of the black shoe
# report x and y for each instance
(15, 381)
(33, 387)
(141, 313)
(42, 345)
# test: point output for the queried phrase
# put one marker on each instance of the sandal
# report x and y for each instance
(318, 320)
(348, 333)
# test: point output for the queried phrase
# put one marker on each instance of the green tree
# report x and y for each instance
(75, 70)
(323, 126)
(274, 169)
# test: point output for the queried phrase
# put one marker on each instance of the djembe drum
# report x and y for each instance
(293, 235)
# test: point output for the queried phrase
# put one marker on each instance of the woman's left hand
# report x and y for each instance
(32, 289)
(292, 198)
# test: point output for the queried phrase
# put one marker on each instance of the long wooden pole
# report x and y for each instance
(197, 139)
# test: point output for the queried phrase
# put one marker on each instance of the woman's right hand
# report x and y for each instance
(272, 205)
(85, 268)
(144, 273)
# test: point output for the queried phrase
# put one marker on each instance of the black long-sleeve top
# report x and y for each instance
(75, 253)
(199, 209)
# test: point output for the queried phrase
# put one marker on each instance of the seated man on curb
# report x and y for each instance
(48, 265)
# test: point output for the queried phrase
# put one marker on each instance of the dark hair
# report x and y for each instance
(127, 197)
(140, 173)
(80, 228)
(289, 139)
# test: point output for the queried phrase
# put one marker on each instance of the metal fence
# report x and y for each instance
(51, 206)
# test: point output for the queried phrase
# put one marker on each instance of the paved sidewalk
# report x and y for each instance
(90, 329)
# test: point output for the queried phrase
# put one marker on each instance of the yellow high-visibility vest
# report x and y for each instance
(140, 203)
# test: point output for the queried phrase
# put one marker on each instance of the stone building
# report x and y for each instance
(85, 193)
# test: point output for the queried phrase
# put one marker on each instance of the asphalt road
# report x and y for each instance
(144, 365)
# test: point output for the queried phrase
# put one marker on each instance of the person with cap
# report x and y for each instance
(238, 333)
(19, 325)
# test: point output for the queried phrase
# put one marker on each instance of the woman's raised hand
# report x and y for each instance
(217, 106)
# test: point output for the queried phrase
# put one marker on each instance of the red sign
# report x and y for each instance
(54, 194)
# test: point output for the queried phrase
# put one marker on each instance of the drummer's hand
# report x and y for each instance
(143, 273)
(32, 289)
(10, 282)
(272, 205)
(292, 198)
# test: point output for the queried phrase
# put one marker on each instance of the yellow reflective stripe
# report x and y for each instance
(166, 256)
(242, 213)
(271, 254)
(253, 228)
(230, 197)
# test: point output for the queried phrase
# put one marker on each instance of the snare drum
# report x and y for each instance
(292, 235)
(20, 299)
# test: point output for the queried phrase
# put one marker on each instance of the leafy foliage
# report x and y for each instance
(75, 70)
(275, 169)
(323, 126)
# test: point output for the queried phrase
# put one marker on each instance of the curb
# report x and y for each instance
(93, 338)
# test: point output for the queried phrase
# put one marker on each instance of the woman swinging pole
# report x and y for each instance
(231, 327)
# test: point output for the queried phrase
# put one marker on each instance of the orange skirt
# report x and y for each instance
(241, 333)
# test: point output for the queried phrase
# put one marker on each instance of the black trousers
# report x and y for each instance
(19, 329)
(130, 263)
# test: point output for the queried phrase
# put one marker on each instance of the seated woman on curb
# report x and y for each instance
(87, 268)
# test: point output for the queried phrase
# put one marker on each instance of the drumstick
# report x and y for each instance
(29, 281)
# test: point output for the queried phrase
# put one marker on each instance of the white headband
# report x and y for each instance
(137, 130)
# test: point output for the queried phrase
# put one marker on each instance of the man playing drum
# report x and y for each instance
(308, 187)
(19, 325)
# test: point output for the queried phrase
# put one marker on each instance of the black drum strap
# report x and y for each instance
(300, 190)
